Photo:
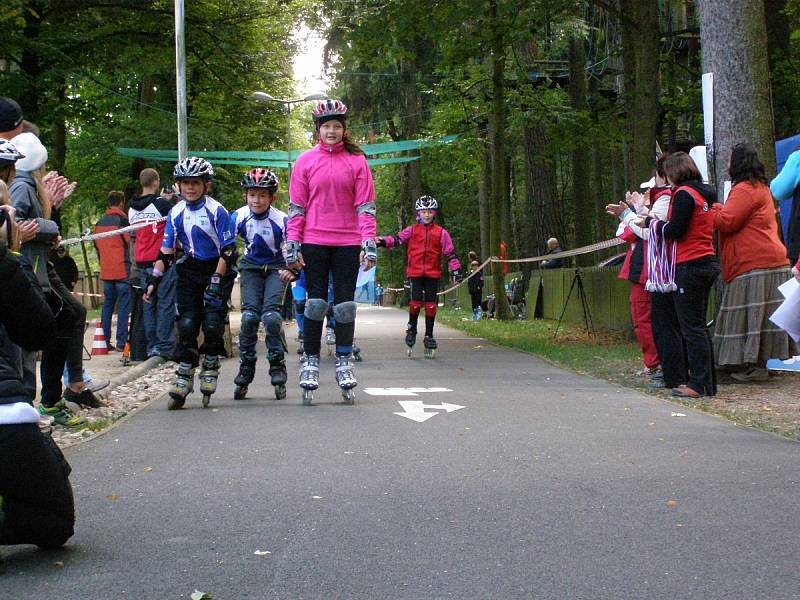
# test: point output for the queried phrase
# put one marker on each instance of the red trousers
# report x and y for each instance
(643, 324)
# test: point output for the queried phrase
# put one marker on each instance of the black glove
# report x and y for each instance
(381, 242)
(212, 297)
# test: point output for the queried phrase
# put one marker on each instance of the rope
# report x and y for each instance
(90, 237)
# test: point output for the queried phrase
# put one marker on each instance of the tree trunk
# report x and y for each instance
(735, 50)
(484, 183)
(497, 122)
(540, 191)
(582, 205)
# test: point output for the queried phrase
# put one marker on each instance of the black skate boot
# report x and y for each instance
(411, 338)
(247, 371)
(430, 346)
(277, 373)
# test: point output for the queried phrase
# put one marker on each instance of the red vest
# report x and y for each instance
(697, 241)
(425, 251)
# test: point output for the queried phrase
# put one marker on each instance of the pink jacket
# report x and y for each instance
(332, 198)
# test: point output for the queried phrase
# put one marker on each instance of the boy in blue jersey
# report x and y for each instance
(263, 229)
(205, 277)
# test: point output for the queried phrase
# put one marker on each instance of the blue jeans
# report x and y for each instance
(159, 315)
(116, 293)
(262, 293)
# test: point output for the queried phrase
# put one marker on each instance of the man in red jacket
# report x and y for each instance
(115, 269)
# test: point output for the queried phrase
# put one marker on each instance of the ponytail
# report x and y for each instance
(41, 193)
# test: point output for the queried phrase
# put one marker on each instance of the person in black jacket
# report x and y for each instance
(36, 501)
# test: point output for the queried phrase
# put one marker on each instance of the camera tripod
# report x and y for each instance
(577, 278)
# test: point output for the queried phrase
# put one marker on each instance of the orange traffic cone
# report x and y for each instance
(99, 347)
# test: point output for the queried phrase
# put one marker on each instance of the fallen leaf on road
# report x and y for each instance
(262, 553)
(316, 497)
(148, 469)
(477, 347)
(672, 503)
(214, 410)
(677, 415)
(197, 595)
(651, 423)
(112, 497)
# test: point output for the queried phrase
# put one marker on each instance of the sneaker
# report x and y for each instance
(84, 398)
(684, 391)
(751, 374)
(95, 385)
(60, 414)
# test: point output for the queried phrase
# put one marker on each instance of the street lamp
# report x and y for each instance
(264, 97)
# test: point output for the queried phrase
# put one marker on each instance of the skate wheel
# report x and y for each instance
(280, 392)
(240, 393)
(175, 403)
(308, 397)
(348, 396)
(206, 400)
(408, 352)
(430, 353)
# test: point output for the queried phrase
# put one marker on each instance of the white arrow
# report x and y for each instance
(415, 409)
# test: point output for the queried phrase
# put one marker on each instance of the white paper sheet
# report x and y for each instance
(787, 315)
(788, 288)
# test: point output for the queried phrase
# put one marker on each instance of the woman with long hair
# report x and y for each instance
(331, 226)
(754, 264)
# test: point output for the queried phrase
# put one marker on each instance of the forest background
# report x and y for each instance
(558, 104)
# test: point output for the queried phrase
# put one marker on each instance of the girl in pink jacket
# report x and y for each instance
(331, 224)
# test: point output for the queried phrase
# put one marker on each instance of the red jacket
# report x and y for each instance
(426, 244)
(748, 231)
(115, 262)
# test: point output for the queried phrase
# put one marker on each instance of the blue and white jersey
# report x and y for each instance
(202, 227)
(263, 235)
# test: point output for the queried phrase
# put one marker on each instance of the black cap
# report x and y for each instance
(10, 114)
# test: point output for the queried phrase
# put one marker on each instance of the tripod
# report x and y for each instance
(587, 316)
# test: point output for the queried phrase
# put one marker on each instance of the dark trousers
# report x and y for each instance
(67, 343)
(668, 339)
(476, 297)
(193, 277)
(341, 262)
(694, 280)
(423, 290)
(38, 506)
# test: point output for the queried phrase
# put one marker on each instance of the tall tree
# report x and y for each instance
(735, 51)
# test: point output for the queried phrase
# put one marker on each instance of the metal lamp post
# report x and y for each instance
(264, 97)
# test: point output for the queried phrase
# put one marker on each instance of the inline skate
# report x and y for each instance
(208, 378)
(182, 386)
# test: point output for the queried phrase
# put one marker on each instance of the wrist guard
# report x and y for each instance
(167, 259)
(212, 297)
(155, 281)
(291, 251)
(370, 250)
(381, 243)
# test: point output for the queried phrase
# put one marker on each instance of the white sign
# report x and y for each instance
(708, 109)
(404, 391)
(415, 409)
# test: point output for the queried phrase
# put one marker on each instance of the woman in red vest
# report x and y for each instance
(426, 242)
(754, 264)
(690, 222)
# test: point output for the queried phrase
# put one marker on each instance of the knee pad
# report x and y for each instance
(345, 312)
(315, 309)
(414, 307)
(187, 326)
(430, 309)
(214, 324)
(272, 323)
(250, 322)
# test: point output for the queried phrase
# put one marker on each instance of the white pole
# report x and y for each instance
(180, 80)
(289, 136)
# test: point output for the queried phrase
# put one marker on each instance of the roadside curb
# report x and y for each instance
(130, 375)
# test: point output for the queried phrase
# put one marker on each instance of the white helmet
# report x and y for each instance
(9, 153)
(426, 203)
(193, 166)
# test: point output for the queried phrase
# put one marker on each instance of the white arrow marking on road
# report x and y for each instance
(415, 409)
(403, 391)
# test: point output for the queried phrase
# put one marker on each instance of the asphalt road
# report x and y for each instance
(545, 484)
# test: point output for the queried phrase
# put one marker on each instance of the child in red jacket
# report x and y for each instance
(426, 242)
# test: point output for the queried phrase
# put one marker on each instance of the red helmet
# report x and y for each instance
(329, 109)
(260, 178)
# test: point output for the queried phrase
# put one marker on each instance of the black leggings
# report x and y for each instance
(423, 293)
(38, 507)
(340, 262)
